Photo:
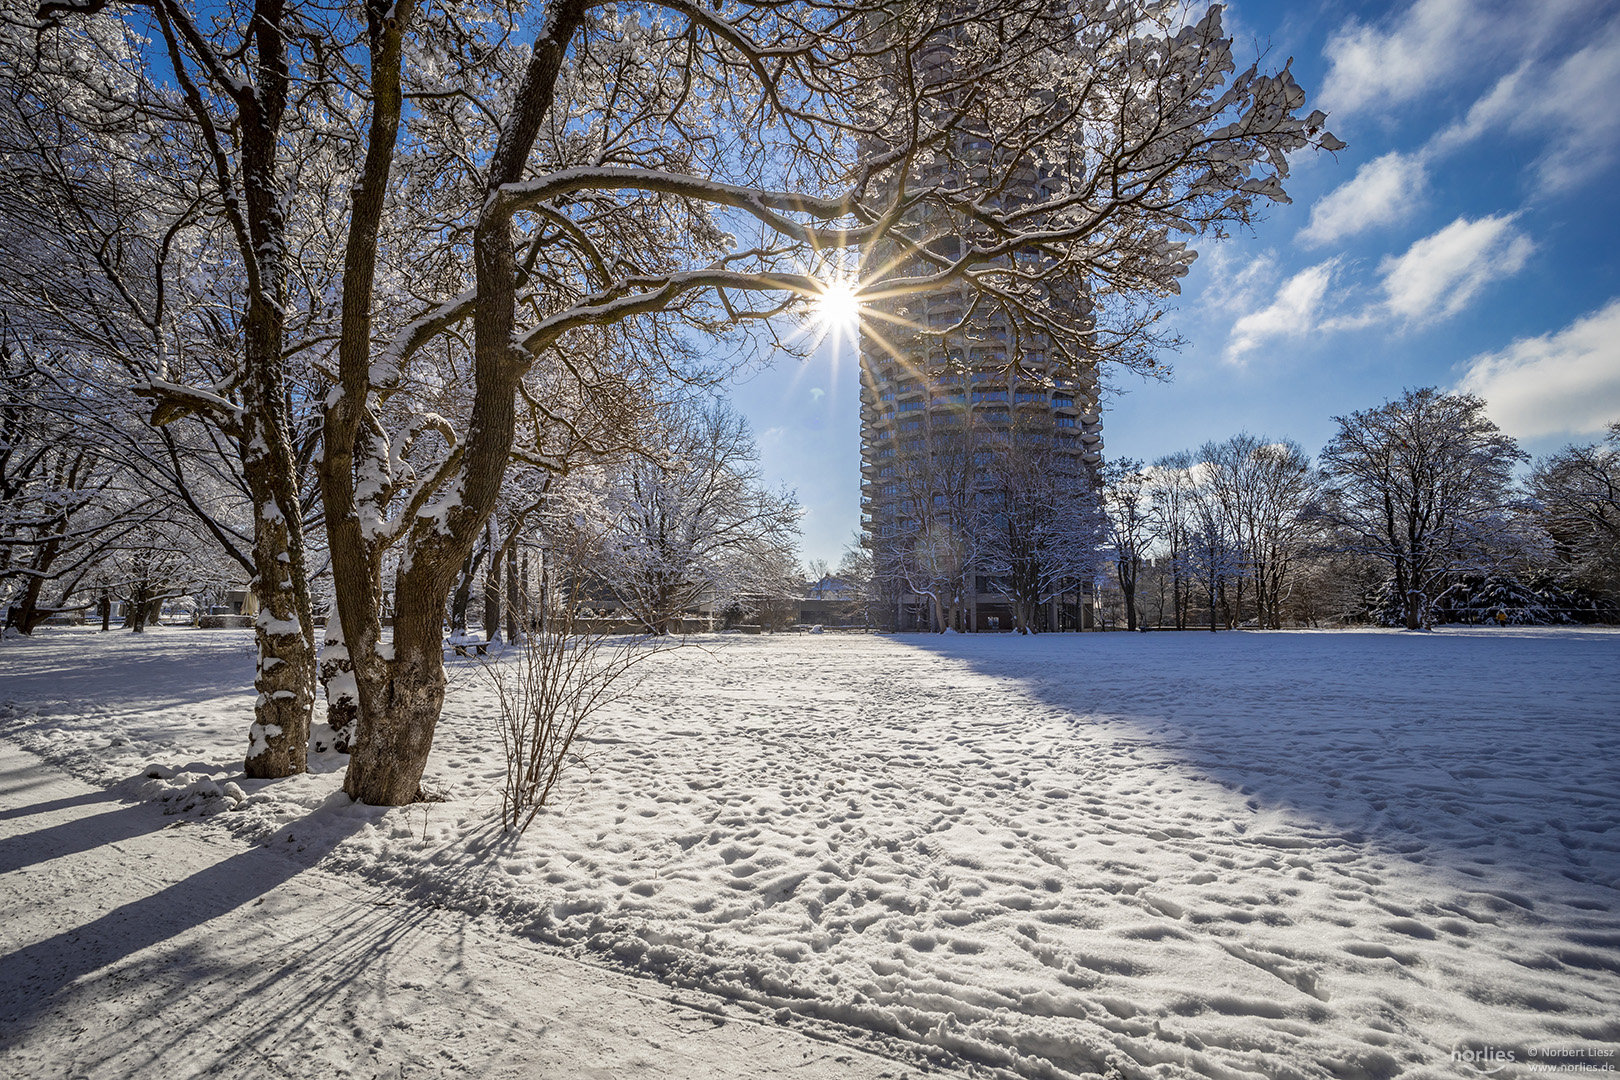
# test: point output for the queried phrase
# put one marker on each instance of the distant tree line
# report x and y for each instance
(1410, 516)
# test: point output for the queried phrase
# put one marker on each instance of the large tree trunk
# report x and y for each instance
(1413, 602)
(401, 697)
(350, 433)
(285, 633)
(135, 608)
(27, 615)
(284, 628)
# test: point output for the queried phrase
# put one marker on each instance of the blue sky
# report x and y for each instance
(1465, 238)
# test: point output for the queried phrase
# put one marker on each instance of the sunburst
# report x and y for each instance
(838, 307)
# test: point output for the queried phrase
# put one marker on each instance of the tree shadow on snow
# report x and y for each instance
(1495, 755)
(49, 974)
(70, 666)
(75, 835)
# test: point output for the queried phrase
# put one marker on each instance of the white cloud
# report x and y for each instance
(1576, 103)
(1384, 191)
(1565, 61)
(1439, 274)
(1567, 104)
(1564, 382)
(1234, 287)
(1292, 312)
(1425, 46)
(817, 393)
(1496, 106)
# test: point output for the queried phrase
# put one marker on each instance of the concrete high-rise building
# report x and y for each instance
(935, 412)
(959, 403)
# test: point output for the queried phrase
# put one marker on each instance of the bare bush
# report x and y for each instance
(561, 675)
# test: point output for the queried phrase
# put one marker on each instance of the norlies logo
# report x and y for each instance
(1487, 1058)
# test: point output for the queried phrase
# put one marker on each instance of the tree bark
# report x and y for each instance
(337, 679)
(284, 629)
(399, 717)
(350, 433)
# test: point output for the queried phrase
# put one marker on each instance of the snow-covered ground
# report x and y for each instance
(1237, 855)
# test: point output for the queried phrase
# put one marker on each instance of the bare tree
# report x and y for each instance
(1213, 559)
(1043, 527)
(1130, 524)
(932, 547)
(66, 506)
(856, 573)
(1263, 490)
(1423, 484)
(1577, 495)
(1279, 526)
(694, 523)
(548, 690)
(201, 146)
(1170, 490)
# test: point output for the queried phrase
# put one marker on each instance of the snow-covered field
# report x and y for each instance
(1236, 855)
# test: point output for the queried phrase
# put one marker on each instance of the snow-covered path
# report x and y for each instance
(1235, 856)
(134, 945)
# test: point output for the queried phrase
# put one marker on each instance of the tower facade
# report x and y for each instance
(950, 423)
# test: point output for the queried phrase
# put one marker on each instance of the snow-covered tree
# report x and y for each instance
(1130, 526)
(856, 573)
(1041, 527)
(1171, 486)
(1212, 558)
(933, 549)
(65, 503)
(691, 524)
(1577, 497)
(1264, 491)
(1424, 485)
(152, 148)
